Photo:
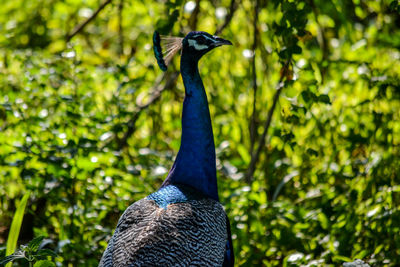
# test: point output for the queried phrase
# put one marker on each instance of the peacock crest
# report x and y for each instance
(165, 47)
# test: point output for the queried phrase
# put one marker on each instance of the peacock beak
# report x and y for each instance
(219, 41)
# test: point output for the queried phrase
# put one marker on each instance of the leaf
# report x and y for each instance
(288, 137)
(312, 152)
(296, 50)
(44, 263)
(293, 119)
(324, 99)
(35, 243)
(16, 226)
(12, 257)
(323, 220)
(393, 5)
(284, 54)
(244, 153)
(308, 96)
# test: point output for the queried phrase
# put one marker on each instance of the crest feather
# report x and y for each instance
(165, 47)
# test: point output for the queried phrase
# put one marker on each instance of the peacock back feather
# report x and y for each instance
(188, 231)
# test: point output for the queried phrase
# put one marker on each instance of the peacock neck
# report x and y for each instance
(195, 163)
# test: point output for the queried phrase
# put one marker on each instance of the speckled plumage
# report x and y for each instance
(192, 233)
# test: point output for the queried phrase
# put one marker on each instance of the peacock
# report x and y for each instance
(183, 223)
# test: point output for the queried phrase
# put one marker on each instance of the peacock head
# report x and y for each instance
(196, 44)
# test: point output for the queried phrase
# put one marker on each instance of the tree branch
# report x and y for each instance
(261, 141)
(253, 126)
(322, 39)
(80, 27)
(120, 28)
(193, 20)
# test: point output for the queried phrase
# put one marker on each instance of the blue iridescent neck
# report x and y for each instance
(195, 163)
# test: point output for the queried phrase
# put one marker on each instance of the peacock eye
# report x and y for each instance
(201, 40)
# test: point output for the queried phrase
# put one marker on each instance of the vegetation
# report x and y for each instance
(305, 110)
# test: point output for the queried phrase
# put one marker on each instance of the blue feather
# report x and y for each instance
(158, 51)
(172, 194)
(195, 164)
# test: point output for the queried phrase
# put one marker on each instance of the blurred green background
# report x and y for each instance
(90, 124)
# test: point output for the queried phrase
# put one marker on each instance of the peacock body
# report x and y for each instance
(183, 223)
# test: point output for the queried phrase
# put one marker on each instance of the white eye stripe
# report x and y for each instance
(196, 45)
(209, 38)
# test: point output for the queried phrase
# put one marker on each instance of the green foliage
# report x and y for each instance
(16, 226)
(44, 263)
(32, 252)
(91, 125)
